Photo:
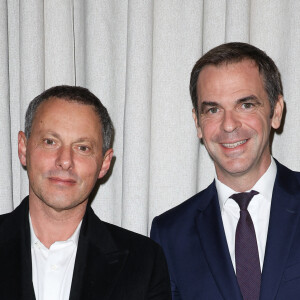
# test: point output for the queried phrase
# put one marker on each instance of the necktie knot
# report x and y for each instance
(243, 199)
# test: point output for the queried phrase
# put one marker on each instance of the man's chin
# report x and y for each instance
(62, 204)
(234, 168)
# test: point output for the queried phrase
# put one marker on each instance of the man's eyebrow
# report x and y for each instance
(240, 100)
(79, 140)
(209, 103)
(244, 99)
(51, 133)
(206, 104)
(247, 98)
(85, 139)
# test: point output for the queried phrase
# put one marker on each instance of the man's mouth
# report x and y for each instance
(234, 145)
(62, 180)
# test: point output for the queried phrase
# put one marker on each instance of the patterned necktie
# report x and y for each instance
(246, 252)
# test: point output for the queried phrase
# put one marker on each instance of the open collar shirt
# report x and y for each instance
(52, 269)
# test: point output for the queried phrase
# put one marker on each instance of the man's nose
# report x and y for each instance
(64, 158)
(231, 121)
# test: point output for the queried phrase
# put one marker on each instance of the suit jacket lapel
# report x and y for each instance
(284, 217)
(98, 261)
(213, 241)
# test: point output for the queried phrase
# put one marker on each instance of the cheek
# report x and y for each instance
(260, 124)
(87, 169)
(38, 163)
(209, 128)
(40, 160)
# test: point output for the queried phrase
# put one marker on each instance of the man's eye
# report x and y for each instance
(247, 105)
(213, 110)
(49, 142)
(83, 148)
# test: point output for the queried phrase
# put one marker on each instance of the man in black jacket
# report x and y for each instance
(53, 246)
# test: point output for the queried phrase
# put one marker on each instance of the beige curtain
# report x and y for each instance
(136, 56)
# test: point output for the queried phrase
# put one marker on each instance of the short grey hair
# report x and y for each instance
(73, 94)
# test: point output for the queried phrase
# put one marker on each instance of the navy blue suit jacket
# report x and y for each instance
(194, 242)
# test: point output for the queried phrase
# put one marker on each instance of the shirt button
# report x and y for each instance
(54, 267)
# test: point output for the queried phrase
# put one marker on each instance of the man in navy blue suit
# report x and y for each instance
(216, 248)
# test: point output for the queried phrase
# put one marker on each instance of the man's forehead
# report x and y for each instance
(53, 104)
(224, 73)
(236, 81)
(63, 114)
(232, 64)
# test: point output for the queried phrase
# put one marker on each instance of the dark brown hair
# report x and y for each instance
(233, 53)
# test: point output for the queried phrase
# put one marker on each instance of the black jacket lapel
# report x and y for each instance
(98, 261)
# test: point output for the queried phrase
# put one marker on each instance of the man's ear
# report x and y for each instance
(278, 111)
(195, 117)
(106, 162)
(22, 145)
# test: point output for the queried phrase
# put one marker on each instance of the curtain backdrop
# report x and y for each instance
(136, 56)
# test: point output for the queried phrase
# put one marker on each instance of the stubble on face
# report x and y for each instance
(63, 155)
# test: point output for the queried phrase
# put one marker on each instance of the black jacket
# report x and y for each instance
(111, 262)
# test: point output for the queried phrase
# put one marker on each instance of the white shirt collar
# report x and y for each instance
(264, 185)
(74, 238)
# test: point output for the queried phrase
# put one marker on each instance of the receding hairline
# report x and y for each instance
(69, 100)
(226, 63)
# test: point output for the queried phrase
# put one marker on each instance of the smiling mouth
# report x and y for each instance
(234, 145)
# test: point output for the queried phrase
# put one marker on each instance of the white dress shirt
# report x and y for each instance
(259, 209)
(52, 269)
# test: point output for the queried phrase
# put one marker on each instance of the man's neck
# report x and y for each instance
(50, 225)
(242, 182)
